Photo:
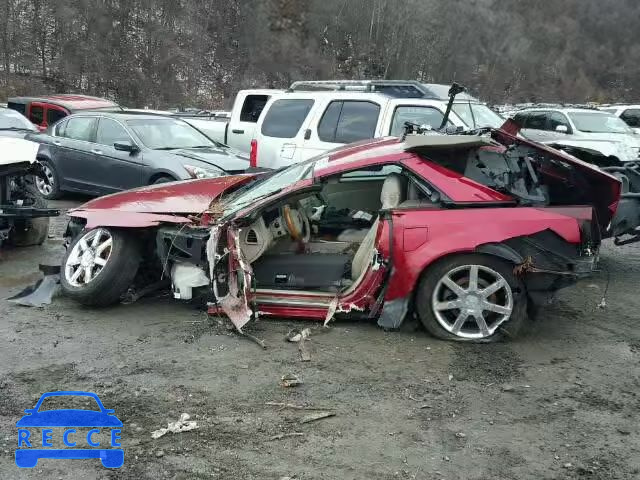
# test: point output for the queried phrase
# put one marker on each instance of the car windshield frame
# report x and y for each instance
(164, 139)
(580, 122)
(20, 121)
(269, 186)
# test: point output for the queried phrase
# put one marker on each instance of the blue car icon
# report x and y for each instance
(69, 419)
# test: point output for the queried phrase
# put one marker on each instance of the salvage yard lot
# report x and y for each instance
(558, 402)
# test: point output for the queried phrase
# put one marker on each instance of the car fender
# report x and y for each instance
(453, 232)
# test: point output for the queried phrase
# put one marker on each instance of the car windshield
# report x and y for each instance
(168, 134)
(66, 402)
(12, 120)
(477, 115)
(270, 186)
(598, 122)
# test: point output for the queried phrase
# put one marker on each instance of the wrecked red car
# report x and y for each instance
(467, 232)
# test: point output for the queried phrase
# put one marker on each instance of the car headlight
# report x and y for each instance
(199, 172)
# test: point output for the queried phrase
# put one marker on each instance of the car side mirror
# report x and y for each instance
(562, 129)
(126, 146)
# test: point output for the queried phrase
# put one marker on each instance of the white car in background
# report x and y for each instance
(592, 135)
(315, 116)
(630, 114)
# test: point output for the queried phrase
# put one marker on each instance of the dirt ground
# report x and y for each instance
(561, 402)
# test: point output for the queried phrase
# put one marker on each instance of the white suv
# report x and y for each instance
(593, 135)
(630, 114)
(313, 117)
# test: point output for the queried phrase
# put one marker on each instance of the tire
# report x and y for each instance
(163, 179)
(108, 280)
(52, 191)
(461, 324)
(31, 231)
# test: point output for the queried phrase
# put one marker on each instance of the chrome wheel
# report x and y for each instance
(472, 301)
(43, 187)
(88, 257)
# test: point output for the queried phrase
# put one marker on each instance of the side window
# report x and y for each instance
(252, 107)
(631, 117)
(36, 115)
(80, 128)
(110, 132)
(329, 122)
(557, 119)
(285, 117)
(419, 115)
(59, 129)
(521, 119)
(53, 115)
(357, 121)
(537, 121)
(18, 107)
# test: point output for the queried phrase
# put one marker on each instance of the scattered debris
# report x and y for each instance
(252, 338)
(460, 435)
(159, 453)
(450, 377)
(179, 426)
(603, 303)
(331, 311)
(508, 388)
(280, 436)
(312, 417)
(567, 465)
(290, 380)
(624, 430)
(293, 406)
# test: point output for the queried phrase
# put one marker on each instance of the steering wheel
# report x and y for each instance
(297, 223)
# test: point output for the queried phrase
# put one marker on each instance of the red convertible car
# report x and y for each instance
(467, 232)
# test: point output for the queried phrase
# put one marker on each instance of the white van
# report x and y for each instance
(313, 117)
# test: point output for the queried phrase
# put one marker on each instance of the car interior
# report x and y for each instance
(324, 241)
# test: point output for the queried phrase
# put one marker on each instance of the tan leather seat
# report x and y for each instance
(391, 196)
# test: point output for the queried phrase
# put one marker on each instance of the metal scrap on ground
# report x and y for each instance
(183, 424)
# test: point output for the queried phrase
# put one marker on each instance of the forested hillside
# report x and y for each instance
(184, 52)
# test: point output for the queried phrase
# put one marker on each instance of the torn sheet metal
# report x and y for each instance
(235, 304)
(42, 292)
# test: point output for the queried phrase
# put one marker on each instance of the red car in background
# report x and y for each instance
(47, 110)
(465, 231)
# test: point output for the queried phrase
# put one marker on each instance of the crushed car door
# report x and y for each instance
(239, 297)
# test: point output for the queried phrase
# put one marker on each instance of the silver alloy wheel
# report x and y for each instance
(88, 257)
(472, 301)
(43, 187)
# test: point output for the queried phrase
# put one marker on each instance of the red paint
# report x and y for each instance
(253, 154)
(460, 231)
(188, 197)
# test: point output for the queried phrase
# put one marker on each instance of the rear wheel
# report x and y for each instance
(99, 266)
(472, 298)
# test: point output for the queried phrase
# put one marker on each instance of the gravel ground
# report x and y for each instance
(559, 402)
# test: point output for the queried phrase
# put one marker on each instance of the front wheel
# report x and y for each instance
(471, 298)
(99, 266)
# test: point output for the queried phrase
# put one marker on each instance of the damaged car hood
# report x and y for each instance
(189, 197)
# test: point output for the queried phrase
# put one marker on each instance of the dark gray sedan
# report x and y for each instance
(102, 152)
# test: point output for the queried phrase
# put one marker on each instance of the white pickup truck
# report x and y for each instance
(312, 117)
(238, 130)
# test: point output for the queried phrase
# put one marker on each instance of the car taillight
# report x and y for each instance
(253, 154)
